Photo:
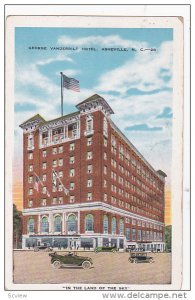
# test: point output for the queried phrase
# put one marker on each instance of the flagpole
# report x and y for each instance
(61, 93)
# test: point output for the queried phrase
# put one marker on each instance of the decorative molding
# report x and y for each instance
(55, 124)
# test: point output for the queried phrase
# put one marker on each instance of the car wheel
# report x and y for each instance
(151, 260)
(86, 264)
(113, 250)
(135, 261)
(56, 264)
(36, 249)
(96, 251)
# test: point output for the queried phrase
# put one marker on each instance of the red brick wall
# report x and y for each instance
(81, 176)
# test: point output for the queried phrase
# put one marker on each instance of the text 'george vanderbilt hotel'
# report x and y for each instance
(86, 185)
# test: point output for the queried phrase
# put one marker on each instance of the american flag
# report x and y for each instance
(36, 183)
(54, 177)
(70, 83)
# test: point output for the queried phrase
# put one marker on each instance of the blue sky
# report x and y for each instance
(136, 84)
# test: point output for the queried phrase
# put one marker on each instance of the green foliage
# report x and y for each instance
(168, 237)
(17, 226)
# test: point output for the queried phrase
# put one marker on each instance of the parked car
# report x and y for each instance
(44, 247)
(140, 257)
(106, 249)
(70, 260)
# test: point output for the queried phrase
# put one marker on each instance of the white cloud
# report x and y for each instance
(32, 76)
(60, 57)
(102, 41)
(143, 73)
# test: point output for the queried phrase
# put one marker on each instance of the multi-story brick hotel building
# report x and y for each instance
(85, 184)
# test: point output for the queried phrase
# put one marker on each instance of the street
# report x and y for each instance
(108, 268)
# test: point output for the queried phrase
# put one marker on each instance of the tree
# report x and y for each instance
(168, 237)
(17, 226)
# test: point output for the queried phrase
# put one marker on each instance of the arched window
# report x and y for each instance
(44, 225)
(30, 141)
(113, 225)
(105, 127)
(105, 224)
(57, 224)
(89, 123)
(72, 223)
(89, 222)
(121, 229)
(31, 225)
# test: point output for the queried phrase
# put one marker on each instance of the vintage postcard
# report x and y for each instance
(94, 122)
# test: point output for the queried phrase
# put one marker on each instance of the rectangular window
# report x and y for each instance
(139, 223)
(105, 197)
(72, 173)
(44, 153)
(143, 235)
(127, 234)
(72, 185)
(30, 179)
(44, 165)
(30, 155)
(54, 163)
(89, 182)
(105, 142)
(89, 196)
(89, 155)
(44, 190)
(30, 168)
(133, 222)
(72, 199)
(89, 141)
(54, 188)
(54, 150)
(89, 169)
(105, 155)
(72, 160)
(30, 191)
(60, 174)
(30, 203)
(72, 146)
(60, 149)
(60, 162)
(60, 187)
(60, 201)
(133, 234)
(139, 235)
(105, 183)
(54, 201)
(44, 177)
(105, 169)
(43, 202)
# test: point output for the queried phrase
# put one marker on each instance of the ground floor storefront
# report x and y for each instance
(75, 242)
(146, 246)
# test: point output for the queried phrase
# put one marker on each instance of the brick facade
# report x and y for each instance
(104, 174)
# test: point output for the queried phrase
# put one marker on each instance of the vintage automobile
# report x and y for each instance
(140, 257)
(106, 249)
(44, 247)
(70, 260)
